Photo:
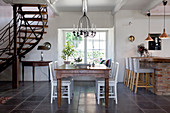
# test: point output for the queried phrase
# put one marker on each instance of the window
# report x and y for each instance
(89, 49)
(156, 44)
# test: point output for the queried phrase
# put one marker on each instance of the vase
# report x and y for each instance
(67, 62)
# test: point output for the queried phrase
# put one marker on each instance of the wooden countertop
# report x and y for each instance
(155, 59)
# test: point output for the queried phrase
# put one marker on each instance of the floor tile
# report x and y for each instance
(154, 111)
(35, 98)
(147, 105)
(21, 111)
(28, 106)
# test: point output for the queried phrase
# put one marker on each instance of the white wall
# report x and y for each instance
(138, 28)
(65, 20)
(123, 30)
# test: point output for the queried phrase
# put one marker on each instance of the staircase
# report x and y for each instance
(22, 33)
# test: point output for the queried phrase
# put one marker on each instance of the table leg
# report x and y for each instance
(59, 91)
(106, 91)
(49, 73)
(33, 73)
(22, 73)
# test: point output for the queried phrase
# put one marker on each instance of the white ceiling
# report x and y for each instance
(100, 5)
(93, 5)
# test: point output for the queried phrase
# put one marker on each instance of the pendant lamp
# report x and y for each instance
(84, 26)
(149, 37)
(164, 35)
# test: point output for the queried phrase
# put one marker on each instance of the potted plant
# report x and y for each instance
(67, 52)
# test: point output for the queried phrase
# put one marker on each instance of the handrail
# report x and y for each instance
(7, 38)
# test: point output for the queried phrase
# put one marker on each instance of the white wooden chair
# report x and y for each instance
(112, 84)
(67, 79)
(65, 86)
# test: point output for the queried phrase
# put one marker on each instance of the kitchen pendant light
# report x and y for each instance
(149, 37)
(164, 35)
(84, 27)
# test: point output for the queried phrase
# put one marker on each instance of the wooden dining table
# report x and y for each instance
(70, 70)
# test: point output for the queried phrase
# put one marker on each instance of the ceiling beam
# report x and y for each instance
(51, 4)
(25, 1)
(151, 5)
(118, 5)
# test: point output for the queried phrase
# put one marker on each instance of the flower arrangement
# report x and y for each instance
(142, 50)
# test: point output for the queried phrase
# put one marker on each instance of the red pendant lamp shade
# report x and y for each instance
(149, 37)
(164, 35)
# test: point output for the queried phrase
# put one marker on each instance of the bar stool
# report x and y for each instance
(126, 71)
(137, 72)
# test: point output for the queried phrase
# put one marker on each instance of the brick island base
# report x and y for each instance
(162, 78)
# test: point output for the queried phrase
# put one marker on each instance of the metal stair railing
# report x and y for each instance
(7, 39)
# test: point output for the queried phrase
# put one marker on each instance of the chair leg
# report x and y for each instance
(137, 79)
(69, 94)
(125, 76)
(52, 93)
(72, 87)
(115, 93)
(147, 79)
(98, 94)
(133, 82)
(96, 90)
(131, 77)
(153, 82)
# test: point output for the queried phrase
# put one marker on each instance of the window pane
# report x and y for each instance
(96, 47)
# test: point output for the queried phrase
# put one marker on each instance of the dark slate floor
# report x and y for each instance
(35, 98)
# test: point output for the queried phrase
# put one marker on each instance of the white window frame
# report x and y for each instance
(110, 42)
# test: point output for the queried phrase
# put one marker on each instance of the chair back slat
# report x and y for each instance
(56, 64)
(130, 64)
(127, 63)
(115, 70)
(136, 64)
(111, 73)
(51, 71)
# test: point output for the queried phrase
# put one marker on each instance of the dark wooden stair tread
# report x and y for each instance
(24, 48)
(29, 43)
(36, 19)
(45, 26)
(9, 53)
(33, 12)
(32, 5)
(30, 38)
(4, 58)
(33, 31)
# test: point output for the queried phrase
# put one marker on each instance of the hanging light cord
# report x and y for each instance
(148, 14)
(164, 3)
(149, 22)
(164, 16)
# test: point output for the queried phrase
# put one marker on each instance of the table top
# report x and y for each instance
(73, 67)
(36, 61)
